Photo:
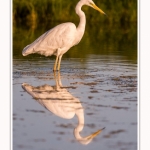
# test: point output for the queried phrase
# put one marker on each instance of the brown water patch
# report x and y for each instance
(60, 132)
(118, 107)
(90, 97)
(89, 114)
(92, 125)
(113, 132)
(65, 125)
(35, 111)
(94, 91)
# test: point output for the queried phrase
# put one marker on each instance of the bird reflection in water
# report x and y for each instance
(60, 102)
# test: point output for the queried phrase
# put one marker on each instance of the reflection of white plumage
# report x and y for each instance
(61, 38)
(61, 103)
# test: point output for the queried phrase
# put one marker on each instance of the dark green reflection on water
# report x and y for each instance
(99, 39)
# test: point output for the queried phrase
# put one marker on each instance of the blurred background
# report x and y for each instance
(112, 35)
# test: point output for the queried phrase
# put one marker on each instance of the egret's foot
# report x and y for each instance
(55, 67)
(54, 70)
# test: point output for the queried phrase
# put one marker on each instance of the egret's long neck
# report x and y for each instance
(82, 23)
(79, 128)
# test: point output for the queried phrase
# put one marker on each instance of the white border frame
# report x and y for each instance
(144, 73)
(5, 74)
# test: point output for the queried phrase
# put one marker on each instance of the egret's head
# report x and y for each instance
(92, 4)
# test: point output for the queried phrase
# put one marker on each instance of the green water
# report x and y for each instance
(99, 39)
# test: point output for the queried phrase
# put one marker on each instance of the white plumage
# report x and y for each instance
(62, 37)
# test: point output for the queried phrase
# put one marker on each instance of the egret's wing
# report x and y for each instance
(60, 36)
(32, 47)
(60, 103)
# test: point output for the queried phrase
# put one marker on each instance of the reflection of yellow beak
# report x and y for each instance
(95, 7)
(95, 134)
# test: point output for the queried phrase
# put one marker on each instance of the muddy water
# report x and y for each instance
(63, 110)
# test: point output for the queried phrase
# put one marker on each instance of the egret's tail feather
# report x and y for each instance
(37, 48)
(24, 52)
(28, 50)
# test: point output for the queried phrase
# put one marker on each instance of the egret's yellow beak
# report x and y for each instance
(95, 7)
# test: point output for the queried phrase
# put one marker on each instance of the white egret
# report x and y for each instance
(61, 38)
(63, 104)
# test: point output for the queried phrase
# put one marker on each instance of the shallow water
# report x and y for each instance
(102, 88)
